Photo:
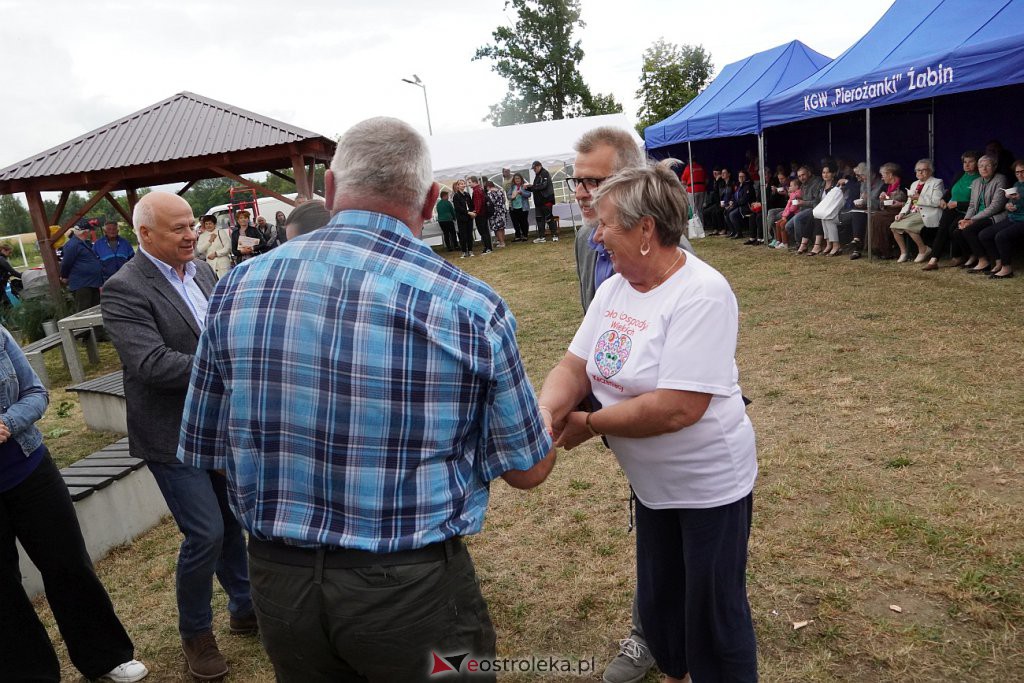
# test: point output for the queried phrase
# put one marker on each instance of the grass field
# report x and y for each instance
(890, 426)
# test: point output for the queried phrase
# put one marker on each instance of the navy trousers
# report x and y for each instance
(691, 586)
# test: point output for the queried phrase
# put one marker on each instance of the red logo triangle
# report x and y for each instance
(440, 666)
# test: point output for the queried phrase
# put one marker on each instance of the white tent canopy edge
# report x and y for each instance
(486, 151)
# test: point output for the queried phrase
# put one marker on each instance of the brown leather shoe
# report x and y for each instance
(205, 661)
(931, 266)
(243, 626)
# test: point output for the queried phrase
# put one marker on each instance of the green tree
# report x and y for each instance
(208, 192)
(538, 57)
(14, 217)
(672, 76)
(602, 104)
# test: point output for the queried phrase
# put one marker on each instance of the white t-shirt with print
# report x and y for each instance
(680, 335)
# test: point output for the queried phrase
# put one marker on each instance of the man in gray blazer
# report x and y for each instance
(154, 308)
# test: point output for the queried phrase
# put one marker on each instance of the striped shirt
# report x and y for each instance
(359, 391)
(188, 289)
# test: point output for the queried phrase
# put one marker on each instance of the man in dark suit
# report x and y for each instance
(543, 190)
(154, 308)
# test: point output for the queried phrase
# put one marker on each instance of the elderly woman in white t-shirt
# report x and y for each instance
(656, 349)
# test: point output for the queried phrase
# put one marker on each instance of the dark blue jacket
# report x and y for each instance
(79, 265)
(744, 195)
(112, 259)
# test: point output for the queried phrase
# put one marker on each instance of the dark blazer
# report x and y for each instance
(156, 337)
(463, 204)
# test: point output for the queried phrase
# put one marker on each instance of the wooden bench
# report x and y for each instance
(103, 405)
(99, 470)
(34, 351)
(116, 499)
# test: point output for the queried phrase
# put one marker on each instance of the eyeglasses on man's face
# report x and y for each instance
(590, 184)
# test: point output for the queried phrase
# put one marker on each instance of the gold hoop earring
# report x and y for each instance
(645, 248)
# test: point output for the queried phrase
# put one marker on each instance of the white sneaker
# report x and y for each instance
(923, 256)
(631, 664)
(555, 238)
(539, 240)
(127, 672)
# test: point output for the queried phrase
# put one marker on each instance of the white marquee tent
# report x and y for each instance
(486, 151)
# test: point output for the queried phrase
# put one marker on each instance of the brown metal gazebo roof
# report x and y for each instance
(175, 140)
(185, 138)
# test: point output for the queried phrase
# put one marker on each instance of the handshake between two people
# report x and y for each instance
(569, 431)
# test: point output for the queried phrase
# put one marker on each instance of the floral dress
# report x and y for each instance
(497, 207)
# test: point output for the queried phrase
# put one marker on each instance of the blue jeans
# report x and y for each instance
(805, 226)
(213, 544)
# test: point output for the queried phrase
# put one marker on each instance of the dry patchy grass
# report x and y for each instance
(887, 404)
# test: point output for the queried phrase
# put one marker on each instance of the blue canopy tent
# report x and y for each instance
(728, 107)
(916, 57)
(919, 49)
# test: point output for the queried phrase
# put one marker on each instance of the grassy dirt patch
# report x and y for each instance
(890, 427)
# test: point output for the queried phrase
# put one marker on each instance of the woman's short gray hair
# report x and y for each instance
(991, 161)
(928, 163)
(891, 167)
(653, 190)
(384, 158)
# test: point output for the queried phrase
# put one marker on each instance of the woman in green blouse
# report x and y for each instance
(954, 207)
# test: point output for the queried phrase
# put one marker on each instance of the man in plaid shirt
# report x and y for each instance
(360, 394)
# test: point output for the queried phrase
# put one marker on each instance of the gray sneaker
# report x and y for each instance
(631, 664)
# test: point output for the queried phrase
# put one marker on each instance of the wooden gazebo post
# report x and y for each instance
(37, 212)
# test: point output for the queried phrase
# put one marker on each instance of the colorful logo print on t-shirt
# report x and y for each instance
(611, 351)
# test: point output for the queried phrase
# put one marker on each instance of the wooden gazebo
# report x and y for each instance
(184, 138)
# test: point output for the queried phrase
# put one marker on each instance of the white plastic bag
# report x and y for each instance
(830, 204)
(695, 229)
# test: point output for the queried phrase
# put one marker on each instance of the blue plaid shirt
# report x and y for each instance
(360, 391)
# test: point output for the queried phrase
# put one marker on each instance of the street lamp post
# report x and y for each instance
(419, 84)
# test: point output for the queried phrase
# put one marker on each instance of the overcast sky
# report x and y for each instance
(73, 65)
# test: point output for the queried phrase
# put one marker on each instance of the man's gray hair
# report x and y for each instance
(650, 190)
(142, 215)
(628, 154)
(384, 158)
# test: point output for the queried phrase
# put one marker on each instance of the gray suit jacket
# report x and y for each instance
(992, 193)
(156, 337)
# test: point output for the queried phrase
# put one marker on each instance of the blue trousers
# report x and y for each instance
(691, 588)
(213, 544)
